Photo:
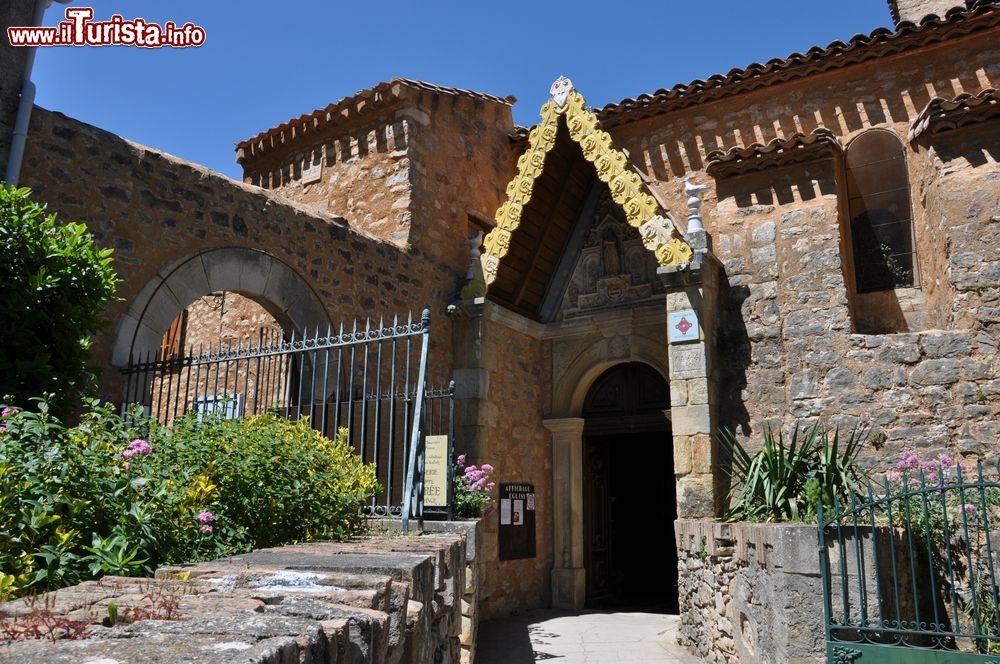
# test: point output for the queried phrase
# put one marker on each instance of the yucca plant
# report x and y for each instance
(787, 480)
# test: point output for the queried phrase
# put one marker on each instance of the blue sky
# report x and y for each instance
(266, 62)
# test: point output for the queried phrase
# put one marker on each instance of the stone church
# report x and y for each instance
(813, 237)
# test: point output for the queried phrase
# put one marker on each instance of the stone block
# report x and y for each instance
(695, 496)
(678, 392)
(804, 385)
(936, 372)
(697, 391)
(945, 344)
(701, 454)
(763, 233)
(839, 379)
(687, 361)
(690, 419)
(682, 455)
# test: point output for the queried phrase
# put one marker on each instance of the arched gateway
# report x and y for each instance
(558, 256)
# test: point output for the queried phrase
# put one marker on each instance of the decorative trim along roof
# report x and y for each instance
(976, 15)
(798, 148)
(943, 114)
(362, 102)
(612, 167)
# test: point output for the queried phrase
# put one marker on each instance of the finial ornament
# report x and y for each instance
(560, 90)
(694, 192)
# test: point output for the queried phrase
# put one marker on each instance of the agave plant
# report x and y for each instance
(787, 480)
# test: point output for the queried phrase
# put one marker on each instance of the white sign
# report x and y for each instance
(505, 511)
(683, 326)
(436, 471)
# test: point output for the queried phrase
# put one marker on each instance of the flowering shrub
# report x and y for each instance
(473, 486)
(114, 496)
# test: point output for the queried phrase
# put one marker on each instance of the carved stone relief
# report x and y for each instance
(614, 268)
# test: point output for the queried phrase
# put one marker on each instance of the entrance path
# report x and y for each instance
(592, 637)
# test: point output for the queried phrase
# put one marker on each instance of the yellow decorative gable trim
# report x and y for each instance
(626, 187)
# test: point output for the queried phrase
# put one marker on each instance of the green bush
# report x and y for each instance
(56, 280)
(786, 481)
(111, 496)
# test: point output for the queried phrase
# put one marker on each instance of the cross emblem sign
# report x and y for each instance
(683, 326)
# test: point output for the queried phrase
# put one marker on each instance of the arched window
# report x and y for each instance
(878, 193)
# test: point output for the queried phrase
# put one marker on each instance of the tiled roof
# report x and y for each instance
(797, 148)
(361, 102)
(976, 15)
(941, 114)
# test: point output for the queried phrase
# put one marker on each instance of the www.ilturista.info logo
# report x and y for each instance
(79, 29)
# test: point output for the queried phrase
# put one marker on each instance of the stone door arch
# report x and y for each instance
(249, 272)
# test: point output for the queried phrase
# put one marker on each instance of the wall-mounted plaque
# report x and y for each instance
(683, 326)
(312, 173)
(517, 521)
(436, 471)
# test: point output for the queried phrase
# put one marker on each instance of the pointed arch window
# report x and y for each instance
(878, 191)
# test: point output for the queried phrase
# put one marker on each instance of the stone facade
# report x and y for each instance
(368, 207)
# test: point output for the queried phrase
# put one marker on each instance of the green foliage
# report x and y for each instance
(114, 496)
(787, 480)
(269, 480)
(55, 283)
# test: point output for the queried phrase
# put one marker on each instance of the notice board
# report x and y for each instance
(517, 521)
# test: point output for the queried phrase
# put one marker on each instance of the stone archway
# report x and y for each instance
(250, 272)
(569, 588)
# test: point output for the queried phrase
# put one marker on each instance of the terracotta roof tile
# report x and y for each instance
(942, 114)
(361, 102)
(976, 15)
(797, 148)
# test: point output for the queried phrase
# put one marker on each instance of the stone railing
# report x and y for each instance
(750, 593)
(372, 600)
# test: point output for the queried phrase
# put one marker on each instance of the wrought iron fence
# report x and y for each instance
(909, 570)
(369, 379)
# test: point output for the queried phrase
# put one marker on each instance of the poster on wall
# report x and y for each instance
(517, 521)
(436, 471)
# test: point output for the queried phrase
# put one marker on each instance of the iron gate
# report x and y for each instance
(369, 379)
(909, 569)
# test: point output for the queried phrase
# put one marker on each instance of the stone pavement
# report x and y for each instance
(591, 637)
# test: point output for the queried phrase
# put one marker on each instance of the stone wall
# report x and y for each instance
(382, 600)
(156, 210)
(750, 593)
(788, 344)
(408, 164)
(501, 384)
(12, 61)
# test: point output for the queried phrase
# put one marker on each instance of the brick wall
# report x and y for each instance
(12, 61)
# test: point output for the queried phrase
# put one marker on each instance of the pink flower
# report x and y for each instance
(894, 477)
(490, 486)
(486, 468)
(969, 509)
(136, 447)
(205, 517)
(207, 529)
(460, 460)
(945, 460)
(6, 412)
(126, 465)
(2, 429)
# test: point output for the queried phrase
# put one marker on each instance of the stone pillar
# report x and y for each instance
(693, 389)
(569, 581)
